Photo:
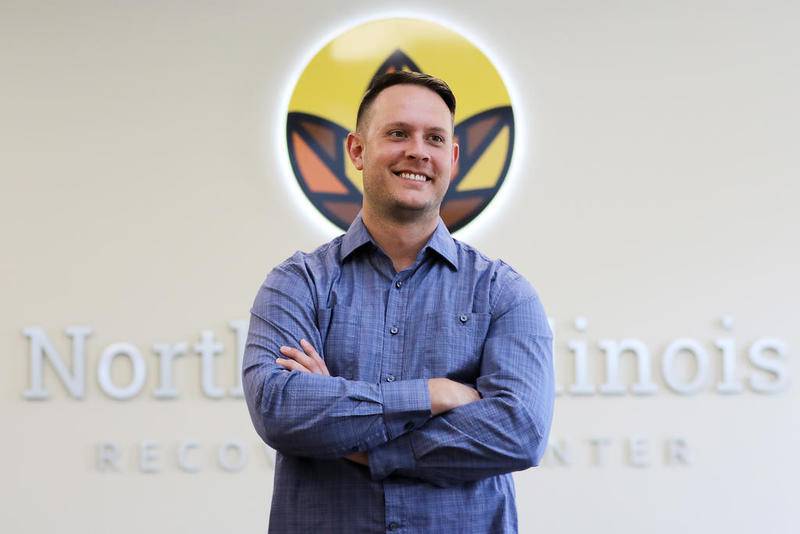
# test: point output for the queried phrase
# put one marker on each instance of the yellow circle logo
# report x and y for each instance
(323, 106)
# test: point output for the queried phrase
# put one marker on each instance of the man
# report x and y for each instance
(399, 374)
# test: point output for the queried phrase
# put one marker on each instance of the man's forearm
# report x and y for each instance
(311, 414)
(505, 431)
(473, 442)
(328, 417)
(445, 395)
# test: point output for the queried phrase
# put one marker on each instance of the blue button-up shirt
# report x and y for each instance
(454, 313)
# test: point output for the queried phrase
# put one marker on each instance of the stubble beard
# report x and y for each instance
(396, 211)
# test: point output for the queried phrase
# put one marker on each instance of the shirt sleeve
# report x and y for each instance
(507, 429)
(304, 414)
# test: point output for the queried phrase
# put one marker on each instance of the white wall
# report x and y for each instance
(142, 193)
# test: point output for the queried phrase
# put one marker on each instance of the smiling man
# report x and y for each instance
(400, 375)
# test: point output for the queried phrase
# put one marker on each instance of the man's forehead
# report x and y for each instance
(407, 95)
(411, 105)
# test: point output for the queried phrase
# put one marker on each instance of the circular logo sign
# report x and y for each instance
(323, 107)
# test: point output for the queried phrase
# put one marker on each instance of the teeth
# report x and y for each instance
(412, 176)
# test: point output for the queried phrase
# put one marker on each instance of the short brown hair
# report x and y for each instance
(379, 83)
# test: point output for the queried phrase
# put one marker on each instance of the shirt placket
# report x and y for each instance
(392, 369)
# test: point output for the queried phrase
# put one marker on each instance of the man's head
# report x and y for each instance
(404, 146)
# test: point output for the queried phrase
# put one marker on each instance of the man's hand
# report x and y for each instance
(307, 361)
(447, 394)
(359, 458)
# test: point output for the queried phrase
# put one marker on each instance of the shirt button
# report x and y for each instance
(463, 318)
(390, 378)
(398, 284)
(409, 425)
(394, 330)
(393, 526)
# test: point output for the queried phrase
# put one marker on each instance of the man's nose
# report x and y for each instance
(417, 149)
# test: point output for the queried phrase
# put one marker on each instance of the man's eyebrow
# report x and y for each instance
(407, 126)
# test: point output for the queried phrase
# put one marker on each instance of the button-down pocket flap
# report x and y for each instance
(454, 342)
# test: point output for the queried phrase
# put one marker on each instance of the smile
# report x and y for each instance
(413, 176)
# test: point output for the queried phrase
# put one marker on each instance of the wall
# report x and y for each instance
(143, 193)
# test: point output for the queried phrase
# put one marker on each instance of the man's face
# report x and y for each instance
(405, 151)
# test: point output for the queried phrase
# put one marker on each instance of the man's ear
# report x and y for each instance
(454, 163)
(355, 150)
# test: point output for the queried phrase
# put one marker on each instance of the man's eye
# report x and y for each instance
(437, 139)
(397, 133)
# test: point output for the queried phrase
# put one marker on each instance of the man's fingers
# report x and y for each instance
(291, 365)
(298, 356)
(306, 361)
(308, 358)
(309, 349)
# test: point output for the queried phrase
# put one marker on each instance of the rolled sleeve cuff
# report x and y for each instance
(406, 406)
(391, 456)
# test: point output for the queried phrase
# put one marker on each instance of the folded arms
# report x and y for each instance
(435, 430)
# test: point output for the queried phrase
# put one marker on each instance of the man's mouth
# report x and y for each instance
(416, 177)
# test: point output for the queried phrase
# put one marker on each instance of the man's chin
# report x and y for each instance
(410, 212)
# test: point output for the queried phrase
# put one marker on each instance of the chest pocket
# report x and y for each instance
(339, 329)
(454, 343)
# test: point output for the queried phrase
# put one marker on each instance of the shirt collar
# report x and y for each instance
(440, 242)
(355, 237)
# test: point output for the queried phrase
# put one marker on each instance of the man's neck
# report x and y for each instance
(401, 241)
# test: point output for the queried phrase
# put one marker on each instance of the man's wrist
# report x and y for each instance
(406, 405)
